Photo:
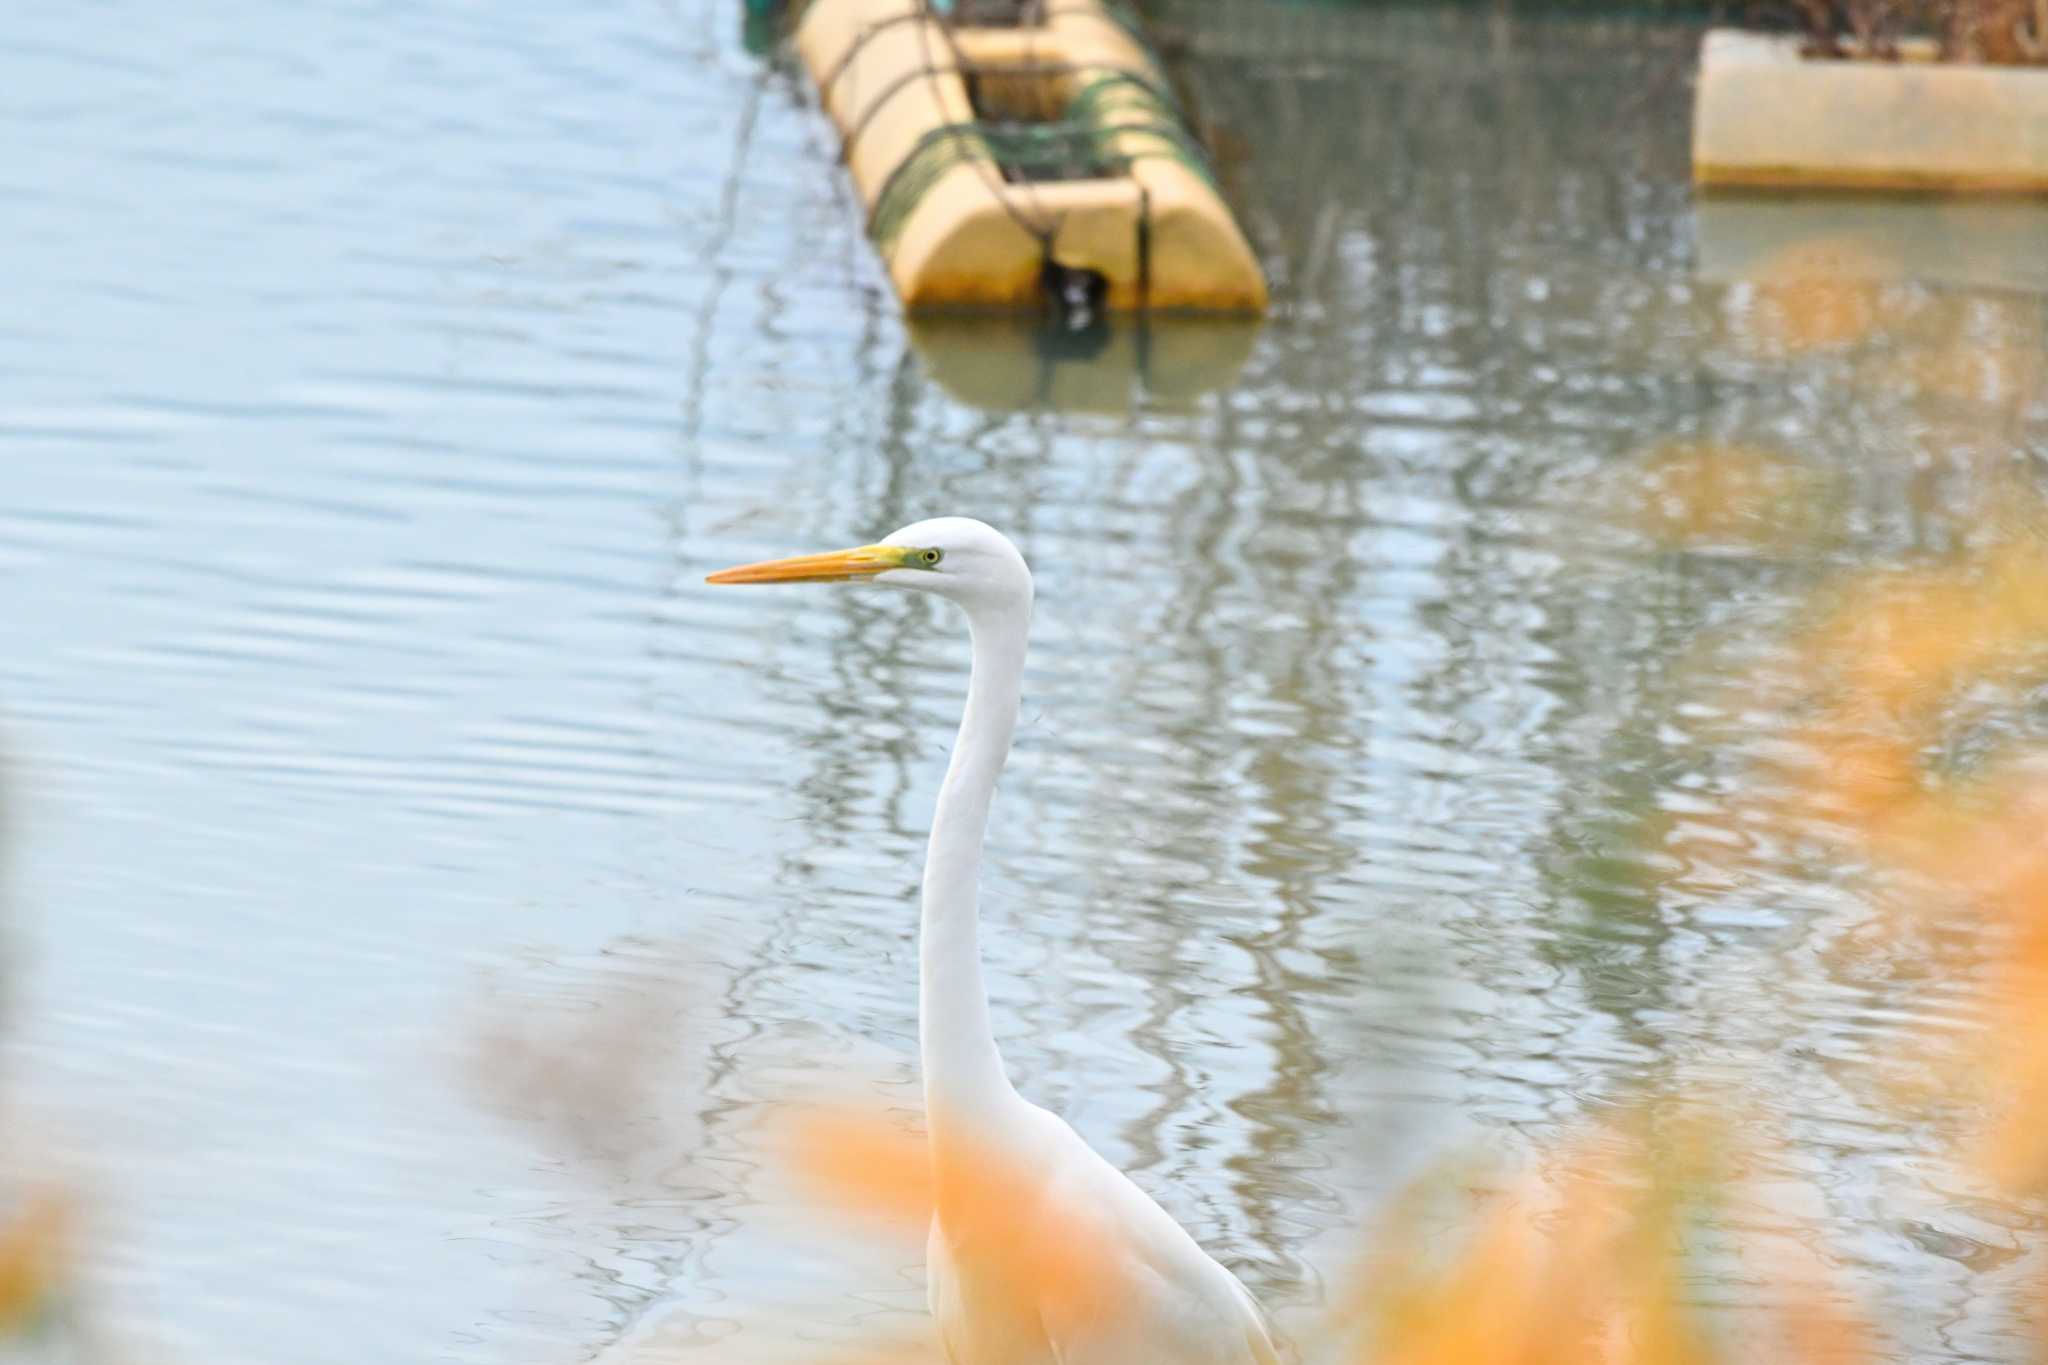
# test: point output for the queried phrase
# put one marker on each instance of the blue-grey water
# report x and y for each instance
(424, 888)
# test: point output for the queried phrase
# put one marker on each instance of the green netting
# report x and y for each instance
(1114, 120)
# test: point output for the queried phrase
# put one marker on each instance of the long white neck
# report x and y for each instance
(963, 1072)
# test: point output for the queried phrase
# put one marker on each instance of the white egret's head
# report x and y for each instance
(956, 557)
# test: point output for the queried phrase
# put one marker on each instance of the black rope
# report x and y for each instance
(1107, 76)
(1039, 228)
(921, 168)
(831, 78)
(1113, 108)
(1050, 231)
(1111, 11)
(1022, 148)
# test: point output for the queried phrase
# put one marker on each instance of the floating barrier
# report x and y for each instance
(1002, 161)
(1765, 116)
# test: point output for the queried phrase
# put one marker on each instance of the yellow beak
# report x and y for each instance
(863, 561)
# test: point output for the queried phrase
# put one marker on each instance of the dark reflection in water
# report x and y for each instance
(355, 521)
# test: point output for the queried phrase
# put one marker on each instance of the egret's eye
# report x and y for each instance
(930, 558)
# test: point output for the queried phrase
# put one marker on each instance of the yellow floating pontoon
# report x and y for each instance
(994, 158)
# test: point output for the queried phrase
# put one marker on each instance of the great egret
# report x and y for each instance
(1145, 1293)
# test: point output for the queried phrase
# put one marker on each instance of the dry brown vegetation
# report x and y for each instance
(2001, 32)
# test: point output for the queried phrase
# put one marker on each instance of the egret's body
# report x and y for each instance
(1136, 1289)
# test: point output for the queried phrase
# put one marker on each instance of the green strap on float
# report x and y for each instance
(1114, 108)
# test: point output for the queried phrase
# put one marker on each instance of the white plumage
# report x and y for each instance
(1041, 1252)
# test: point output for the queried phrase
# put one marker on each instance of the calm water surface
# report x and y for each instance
(426, 888)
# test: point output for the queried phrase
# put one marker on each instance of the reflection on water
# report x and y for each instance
(1987, 243)
(378, 400)
(1005, 364)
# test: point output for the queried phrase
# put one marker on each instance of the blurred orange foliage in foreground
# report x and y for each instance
(1590, 1258)
(1578, 1262)
(1062, 1253)
(33, 1245)
(1584, 1260)
(1904, 662)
